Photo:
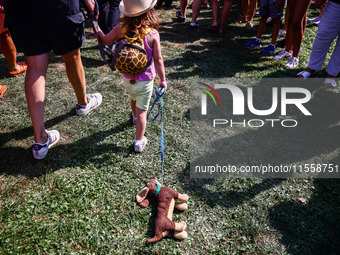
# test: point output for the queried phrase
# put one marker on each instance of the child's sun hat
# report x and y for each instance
(133, 8)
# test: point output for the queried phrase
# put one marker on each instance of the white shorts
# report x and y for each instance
(140, 92)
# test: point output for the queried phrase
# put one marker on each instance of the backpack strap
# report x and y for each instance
(119, 48)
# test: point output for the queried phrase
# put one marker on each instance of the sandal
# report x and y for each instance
(3, 89)
(303, 75)
(329, 83)
(19, 69)
(249, 25)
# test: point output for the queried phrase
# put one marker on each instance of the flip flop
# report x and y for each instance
(3, 89)
(19, 69)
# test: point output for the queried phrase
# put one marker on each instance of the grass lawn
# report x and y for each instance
(81, 198)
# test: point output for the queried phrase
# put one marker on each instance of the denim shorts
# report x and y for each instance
(268, 8)
(38, 26)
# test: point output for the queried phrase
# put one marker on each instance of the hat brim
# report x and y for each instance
(122, 9)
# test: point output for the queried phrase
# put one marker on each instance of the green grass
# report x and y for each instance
(81, 198)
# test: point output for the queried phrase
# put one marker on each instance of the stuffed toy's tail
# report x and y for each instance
(156, 238)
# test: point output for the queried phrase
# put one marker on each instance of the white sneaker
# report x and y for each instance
(140, 144)
(282, 33)
(93, 101)
(293, 63)
(283, 54)
(315, 21)
(40, 150)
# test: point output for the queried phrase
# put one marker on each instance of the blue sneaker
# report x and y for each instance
(255, 43)
(270, 50)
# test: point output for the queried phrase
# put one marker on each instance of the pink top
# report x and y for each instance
(150, 73)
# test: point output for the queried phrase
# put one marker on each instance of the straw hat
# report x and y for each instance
(133, 8)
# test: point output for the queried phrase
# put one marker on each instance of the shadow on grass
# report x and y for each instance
(313, 227)
(19, 161)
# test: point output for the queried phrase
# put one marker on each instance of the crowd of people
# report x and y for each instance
(58, 26)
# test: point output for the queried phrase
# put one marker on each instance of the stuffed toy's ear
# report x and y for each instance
(141, 197)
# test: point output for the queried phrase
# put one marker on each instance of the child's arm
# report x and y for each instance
(114, 35)
(158, 60)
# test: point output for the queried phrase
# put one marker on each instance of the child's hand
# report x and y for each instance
(162, 84)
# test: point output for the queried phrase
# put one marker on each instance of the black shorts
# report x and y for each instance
(38, 26)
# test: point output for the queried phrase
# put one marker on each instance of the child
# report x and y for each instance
(138, 15)
(273, 9)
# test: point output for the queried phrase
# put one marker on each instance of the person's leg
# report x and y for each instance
(276, 29)
(262, 27)
(225, 14)
(252, 10)
(215, 6)
(8, 49)
(196, 8)
(140, 123)
(35, 94)
(76, 75)
(289, 25)
(184, 4)
(133, 107)
(298, 24)
(103, 15)
(245, 8)
(114, 14)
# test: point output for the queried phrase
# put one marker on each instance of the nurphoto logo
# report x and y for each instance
(288, 96)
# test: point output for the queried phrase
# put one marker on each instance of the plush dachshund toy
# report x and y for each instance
(164, 226)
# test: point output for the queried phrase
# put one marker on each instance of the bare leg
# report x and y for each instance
(76, 75)
(245, 7)
(184, 5)
(215, 6)
(252, 10)
(276, 29)
(262, 26)
(298, 21)
(140, 123)
(133, 107)
(225, 14)
(8, 49)
(35, 81)
(196, 8)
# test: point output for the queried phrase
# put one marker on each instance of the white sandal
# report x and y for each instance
(304, 74)
(330, 83)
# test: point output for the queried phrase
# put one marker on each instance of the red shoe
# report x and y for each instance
(20, 68)
(3, 89)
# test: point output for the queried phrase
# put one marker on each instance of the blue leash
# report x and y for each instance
(159, 101)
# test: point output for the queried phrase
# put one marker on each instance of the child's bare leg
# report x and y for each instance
(276, 29)
(215, 6)
(140, 123)
(184, 4)
(262, 26)
(133, 107)
(225, 14)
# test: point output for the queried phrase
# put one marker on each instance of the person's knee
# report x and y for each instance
(38, 63)
(72, 56)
